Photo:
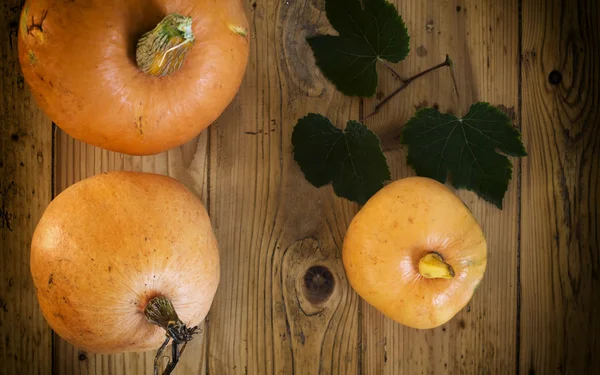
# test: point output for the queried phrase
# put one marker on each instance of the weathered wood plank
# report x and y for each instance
(560, 258)
(272, 225)
(481, 37)
(25, 190)
(76, 161)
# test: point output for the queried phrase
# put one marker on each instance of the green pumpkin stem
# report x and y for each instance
(162, 50)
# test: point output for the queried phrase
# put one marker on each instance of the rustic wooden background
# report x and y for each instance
(538, 308)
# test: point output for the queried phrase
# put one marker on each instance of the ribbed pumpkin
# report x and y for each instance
(415, 252)
(133, 76)
(120, 259)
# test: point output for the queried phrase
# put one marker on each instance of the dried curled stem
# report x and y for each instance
(160, 311)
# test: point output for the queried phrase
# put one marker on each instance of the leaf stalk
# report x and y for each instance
(405, 82)
(391, 69)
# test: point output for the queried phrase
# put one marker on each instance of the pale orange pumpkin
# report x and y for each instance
(133, 76)
(115, 256)
(415, 252)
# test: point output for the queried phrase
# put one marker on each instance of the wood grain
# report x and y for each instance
(76, 161)
(25, 190)
(560, 256)
(481, 38)
(272, 225)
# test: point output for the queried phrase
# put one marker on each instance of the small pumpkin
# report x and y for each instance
(121, 259)
(415, 252)
(133, 76)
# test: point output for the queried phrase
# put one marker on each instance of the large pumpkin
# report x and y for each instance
(415, 252)
(110, 250)
(133, 76)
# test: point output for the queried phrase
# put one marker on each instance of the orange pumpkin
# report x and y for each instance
(117, 256)
(133, 76)
(415, 252)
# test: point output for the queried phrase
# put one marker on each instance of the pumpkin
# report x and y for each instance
(133, 76)
(415, 252)
(122, 259)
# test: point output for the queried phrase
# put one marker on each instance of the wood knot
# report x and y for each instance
(318, 284)
(298, 23)
(555, 77)
(82, 356)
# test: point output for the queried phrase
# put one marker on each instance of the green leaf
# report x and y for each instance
(352, 159)
(467, 148)
(366, 34)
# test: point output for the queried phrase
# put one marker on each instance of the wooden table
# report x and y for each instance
(538, 308)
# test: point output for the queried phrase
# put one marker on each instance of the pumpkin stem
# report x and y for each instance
(432, 266)
(160, 311)
(162, 50)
